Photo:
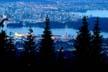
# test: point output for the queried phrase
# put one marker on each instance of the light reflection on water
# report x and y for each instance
(38, 31)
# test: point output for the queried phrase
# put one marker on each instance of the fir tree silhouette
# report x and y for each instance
(3, 37)
(47, 52)
(83, 46)
(97, 45)
(11, 47)
(28, 58)
(3, 49)
(3, 42)
(11, 53)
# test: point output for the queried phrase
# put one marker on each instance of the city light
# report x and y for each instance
(19, 35)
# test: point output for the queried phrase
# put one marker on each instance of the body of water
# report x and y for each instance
(63, 31)
(39, 31)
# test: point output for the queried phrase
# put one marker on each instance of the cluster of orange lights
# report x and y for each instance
(18, 35)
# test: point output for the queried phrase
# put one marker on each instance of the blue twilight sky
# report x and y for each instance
(19, 0)
(55, 0)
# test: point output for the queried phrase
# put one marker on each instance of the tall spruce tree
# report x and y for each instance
(28, 58)
(3, 37)
(11, 47)
(83, 45)
(3, 42)
(97, 44)
(3, 49)
(29, 44)
(47, 54)
(11, 53)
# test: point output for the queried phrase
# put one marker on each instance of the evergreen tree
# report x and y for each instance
(3, 49)
(83, 45)
(11, 53)
(47, 54)
(3, 42)
(28, 58)
(29, 44)
(11, 47)
(3, 37)
(97, 44)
